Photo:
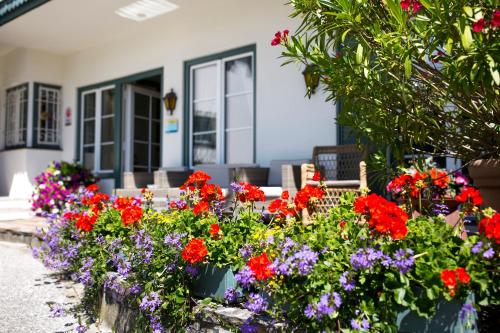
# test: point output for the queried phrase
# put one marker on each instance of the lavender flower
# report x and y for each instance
(249, 327)
(403, 260)
(246, 250)
(155, 324)
(237, 188)
(113, 283)
(327, 305)
(174, 240)
(144, 246)
(245, 277)
(134, 289)
(81, 329)
(440, 209)
(84, 275)
(365, 258)
(231, 295)
(256, 303)
(310, 311)
(57, 310)
(287, 245)
(489, 253)
(347, 283)
(477, 247)
(466, 310)
(192, 270)
(179, 204)
(150, 302)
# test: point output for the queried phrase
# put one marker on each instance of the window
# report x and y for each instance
(221, 110)
(16, 128)
(47, 115)
(98, 119)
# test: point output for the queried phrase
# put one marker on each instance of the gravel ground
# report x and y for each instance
(26, 291)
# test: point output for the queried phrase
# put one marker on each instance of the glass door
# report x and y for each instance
(98, 134)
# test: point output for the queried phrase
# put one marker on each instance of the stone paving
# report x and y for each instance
(26, 290)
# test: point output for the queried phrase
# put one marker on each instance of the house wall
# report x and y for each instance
(288, 125)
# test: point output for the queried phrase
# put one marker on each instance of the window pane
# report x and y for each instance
(156, 111)
(107, 157)
(239, 146)
(88, 157)
(155, 132)
(239, 111)
(239, 75)
(204, 149)
(107, 129)
(141, 129)
(155, 156)
(108, 102)
(205, 82)
(88, 131)
(204, 117)
(89, 105)
(141, 154)
(141, 105)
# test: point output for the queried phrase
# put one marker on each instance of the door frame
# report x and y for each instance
(119, 108)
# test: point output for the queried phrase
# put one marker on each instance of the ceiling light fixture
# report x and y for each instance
(142, 10)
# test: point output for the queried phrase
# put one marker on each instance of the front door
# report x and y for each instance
(142, 129)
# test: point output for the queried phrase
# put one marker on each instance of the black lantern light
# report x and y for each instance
(170, 100)
(311, 78)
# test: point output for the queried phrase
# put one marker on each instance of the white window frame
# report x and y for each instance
(97, 127)
(220, 105)
(56, 122)
(17, 136)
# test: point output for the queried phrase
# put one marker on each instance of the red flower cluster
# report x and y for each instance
(129, 208)
(84, 221)
(490, 227)
(308, 196)
(204, 194)
(261, 267)
(215, 231)
(281, 207)
(439, 178)
(251, 193)
(95, 203)
(383, 216)
(280, 37)
(195, 251)
(413, 5)
(408, 184)
(453, 278)
(481, 24)
(196, 180)
(470, 195)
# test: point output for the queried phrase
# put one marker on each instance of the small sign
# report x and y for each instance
(67, 116)
(172, 126)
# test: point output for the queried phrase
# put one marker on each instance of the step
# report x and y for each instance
(9, 203)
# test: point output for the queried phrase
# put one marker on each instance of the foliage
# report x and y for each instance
(56, 183)
(353, 269)
(409, 73)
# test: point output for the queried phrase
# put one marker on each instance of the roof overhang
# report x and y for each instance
(11, 9)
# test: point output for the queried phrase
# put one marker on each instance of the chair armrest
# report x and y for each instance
(307, 174)
(253, 175)
(363, 179)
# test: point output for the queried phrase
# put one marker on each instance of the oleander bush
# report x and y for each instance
(351, 270)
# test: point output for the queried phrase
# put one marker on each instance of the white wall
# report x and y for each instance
(288, 125)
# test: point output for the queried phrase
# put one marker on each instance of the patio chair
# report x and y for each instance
(343, 170)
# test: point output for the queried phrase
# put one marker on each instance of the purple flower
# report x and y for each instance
(440, 209)
(237, 188)
(192, 270)
(488, 254)
(179, 204)
(287, 245)
(245, 277)
(231, 295)
(365, 324)
(155, 324)
(84, 275)
(143, 245)
(113, 283)
(305, 259)
(174, 240)
(327, 305)
(355, 325)
(403, 260)
(249, 327)
(467, 310)
(81, 329)
(256, 303)
(57, 310)
(134, 289)
(365, 258)
(150, 302)
(477, 247)
(310, 311)
(460, 179)
(246, 250)
(346, 283)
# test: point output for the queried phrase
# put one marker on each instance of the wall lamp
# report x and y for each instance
(170, 100)
(311, 78)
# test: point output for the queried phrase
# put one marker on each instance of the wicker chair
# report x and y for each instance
(343, 169)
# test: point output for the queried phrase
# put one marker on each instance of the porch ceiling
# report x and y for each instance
(68, 26)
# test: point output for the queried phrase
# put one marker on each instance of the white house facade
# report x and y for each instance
(85, 80)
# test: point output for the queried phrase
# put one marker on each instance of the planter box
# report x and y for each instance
(213, 281)
(446, 320)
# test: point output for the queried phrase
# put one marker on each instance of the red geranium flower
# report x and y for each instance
(448, 277)
(251, 193)
(479, 25)
(214, 230)
(462, 275)
(211, 192)
(495, 19)
(195, 251)
(93, 188)
(317, 176)
(261, 267)
(307, 196)
(439, 178)
(197, 179)
(86, 222)
(285, 195)
(131, 215)
(470, 194)
(201, 207)
(452, 278)
(490, 227)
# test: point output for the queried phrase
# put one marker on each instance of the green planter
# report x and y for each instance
(213, 281)
(446, 320)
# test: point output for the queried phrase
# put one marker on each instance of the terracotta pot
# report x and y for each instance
(486, 177)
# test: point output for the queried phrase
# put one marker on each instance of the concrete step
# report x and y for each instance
(10, 203)
(15, 209)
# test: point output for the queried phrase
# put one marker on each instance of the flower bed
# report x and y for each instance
(355, 269)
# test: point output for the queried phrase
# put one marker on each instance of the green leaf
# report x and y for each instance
(466, 37)
(408, 67)
(359, 54)
(468, 10)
